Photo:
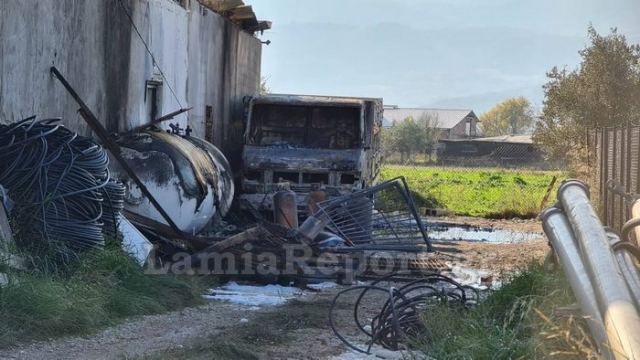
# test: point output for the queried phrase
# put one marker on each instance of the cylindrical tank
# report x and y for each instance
(285, 209)
(189, 177)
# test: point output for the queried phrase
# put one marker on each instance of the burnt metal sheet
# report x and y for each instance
(309, 100)
(300, 159)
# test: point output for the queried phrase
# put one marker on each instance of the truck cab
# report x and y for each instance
(307, 144)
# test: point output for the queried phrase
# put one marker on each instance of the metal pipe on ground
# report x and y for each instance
(615, 302)
(313, 199)
(626, 261)
(285, 208)
(632, 226)
(558, 230)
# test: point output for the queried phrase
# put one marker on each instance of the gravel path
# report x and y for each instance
(138, 337)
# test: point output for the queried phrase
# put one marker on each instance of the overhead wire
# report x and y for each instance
(148, 49)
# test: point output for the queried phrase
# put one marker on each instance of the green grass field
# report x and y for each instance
(482, 192)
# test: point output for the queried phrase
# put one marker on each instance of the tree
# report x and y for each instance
(512, 116)
(410, 136)
(431, 133)
(603, 91)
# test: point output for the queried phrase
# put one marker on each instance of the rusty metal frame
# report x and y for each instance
(343, 206)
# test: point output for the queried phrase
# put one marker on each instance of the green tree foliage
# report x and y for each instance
(431, 134)
(510, 117)
(603, 91)
(411, 136)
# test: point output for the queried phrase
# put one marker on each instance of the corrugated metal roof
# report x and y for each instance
(511, 139)
(310, 99)
(447, 118)
(507, 139)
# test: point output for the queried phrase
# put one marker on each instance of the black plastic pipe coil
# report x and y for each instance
(401, 318)
(61, 186)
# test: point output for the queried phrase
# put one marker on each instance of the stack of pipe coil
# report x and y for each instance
(59, 182)
(601, 268)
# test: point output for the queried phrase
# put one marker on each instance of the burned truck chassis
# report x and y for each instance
(308, 144)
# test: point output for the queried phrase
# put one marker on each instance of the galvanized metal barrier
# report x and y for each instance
(383, 215)
(601, 269)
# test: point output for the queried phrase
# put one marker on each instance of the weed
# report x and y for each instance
(94, 292)
(511, 323)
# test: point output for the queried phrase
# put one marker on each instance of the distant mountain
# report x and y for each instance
(485, 101)
(410, 66)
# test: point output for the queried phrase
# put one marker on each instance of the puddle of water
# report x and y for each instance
(470, 233)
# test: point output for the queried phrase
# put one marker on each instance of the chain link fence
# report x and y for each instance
(477, 189)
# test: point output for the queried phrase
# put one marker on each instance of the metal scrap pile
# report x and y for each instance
(61, 187)
(366, 234)
(602, 268)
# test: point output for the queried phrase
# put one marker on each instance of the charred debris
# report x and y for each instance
(308, 209)
(170, 198)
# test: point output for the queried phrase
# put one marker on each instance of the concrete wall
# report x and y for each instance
(207, 61)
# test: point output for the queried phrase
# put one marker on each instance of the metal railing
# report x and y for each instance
(614, 160)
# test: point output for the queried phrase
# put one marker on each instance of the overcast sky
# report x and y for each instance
(438, 53)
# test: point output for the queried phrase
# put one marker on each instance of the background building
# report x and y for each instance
(455, 124)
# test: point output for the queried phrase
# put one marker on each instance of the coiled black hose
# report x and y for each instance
(401, 317)
(60, 184)
(113, 194)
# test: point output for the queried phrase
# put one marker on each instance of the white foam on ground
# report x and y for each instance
(378, 352)
(469, 277)
(251, 295)
(322, 286)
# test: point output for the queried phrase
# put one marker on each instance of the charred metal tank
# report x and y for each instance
(189, 177)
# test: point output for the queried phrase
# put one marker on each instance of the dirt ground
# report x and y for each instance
(499, 259)
(298, 330)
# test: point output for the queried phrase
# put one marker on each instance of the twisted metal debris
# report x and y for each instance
(400, 319)
(58, 181)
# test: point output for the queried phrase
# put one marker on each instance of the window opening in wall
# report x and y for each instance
(317, 127)
(153, 99)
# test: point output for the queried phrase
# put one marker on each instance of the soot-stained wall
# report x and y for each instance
(209, 64)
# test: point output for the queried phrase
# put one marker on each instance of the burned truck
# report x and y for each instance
(310, 145)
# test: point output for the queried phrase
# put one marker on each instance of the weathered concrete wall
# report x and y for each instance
(34, 35)
(206, 60)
